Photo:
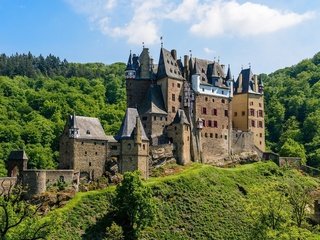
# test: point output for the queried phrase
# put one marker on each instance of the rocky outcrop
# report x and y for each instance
(160, 155)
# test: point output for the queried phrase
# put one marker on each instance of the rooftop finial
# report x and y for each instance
(161, 40)
(218, 59)
(249, 65)
(241, 67)
(143, 44)
(190, 52)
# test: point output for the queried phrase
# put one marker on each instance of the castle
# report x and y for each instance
(191, 106)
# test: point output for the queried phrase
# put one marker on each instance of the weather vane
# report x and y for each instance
(143, 44)
(161, 40)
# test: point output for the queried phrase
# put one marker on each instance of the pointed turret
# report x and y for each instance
(130, 71)
(261, 86)
(73, 128)
(228, 77)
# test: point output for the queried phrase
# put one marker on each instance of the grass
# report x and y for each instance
(198, 202)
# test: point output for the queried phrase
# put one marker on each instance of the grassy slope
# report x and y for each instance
(201, 202)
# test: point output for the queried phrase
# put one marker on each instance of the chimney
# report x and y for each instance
(256, 88)
(240, 83)
(174, 54)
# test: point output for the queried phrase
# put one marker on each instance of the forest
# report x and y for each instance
(292, 102)
(38, 93)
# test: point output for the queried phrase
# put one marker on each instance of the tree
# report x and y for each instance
(291, 148)
(18, 217)
(135, 207)
(299, 197)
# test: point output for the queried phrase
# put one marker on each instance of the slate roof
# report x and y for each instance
(247, 81)
(168, 66)
(88, 127)
(180, 118)
(18, 155)
(154, 101)
(128, 125)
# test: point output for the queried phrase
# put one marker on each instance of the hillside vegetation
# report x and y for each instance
(202, 202)
(292, 99)
(37, 94)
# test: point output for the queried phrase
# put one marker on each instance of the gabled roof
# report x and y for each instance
(180, 118)
(88, 127)
(168, 66)
(247, 81)
(18, 155)
(128, 125)
(154, 101)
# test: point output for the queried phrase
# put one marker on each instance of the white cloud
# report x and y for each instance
(208, 50)
(230, 17)
(140, 20)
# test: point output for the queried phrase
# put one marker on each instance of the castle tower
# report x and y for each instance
(248, 107)
(134, 144)
(17, 163)
(139, 75)
(83, 146)
(179, 132)
(170, 79)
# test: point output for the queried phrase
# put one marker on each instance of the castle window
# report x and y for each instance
(260, 124)
(202, 89)
(129, 146)
(143, 146)
(260, 113)
(166, 119)
(215, 124)
(211, 135)
(175, 71)
(89, 164)
(235, 114)
(222, 92)
(172, 84)
(243, 113)
(173, 97)
(226, 113)
(144, 118)
(260, 105)
(261, 135)
(154, 118)
(209, 123)
(212, 99)
(81, 143)
(95, 143)
(225, 137)
(173, 109)
(251, 103)
(88, 131)
(251, 112)
(85, 153)
(202, 70)
(214, 112)
(223, 101)
(96, 153)
(216, 135)
(102, 144)
(253, 123)
(204, 110)
(160, 118)
(188, 138)
(206, 99)
(260, 143)
(114, 147)
(178, 84)
(170, 70)
(206, 134)
(175, 128)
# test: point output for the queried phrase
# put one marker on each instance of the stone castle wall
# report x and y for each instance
(215, 134)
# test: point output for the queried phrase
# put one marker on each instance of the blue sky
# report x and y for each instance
(268, 34)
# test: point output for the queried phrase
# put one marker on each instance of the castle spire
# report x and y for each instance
(228, 77)
(129, 64)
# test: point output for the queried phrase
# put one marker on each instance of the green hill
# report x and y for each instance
(200, 202)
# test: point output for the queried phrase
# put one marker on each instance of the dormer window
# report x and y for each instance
(88, 132)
